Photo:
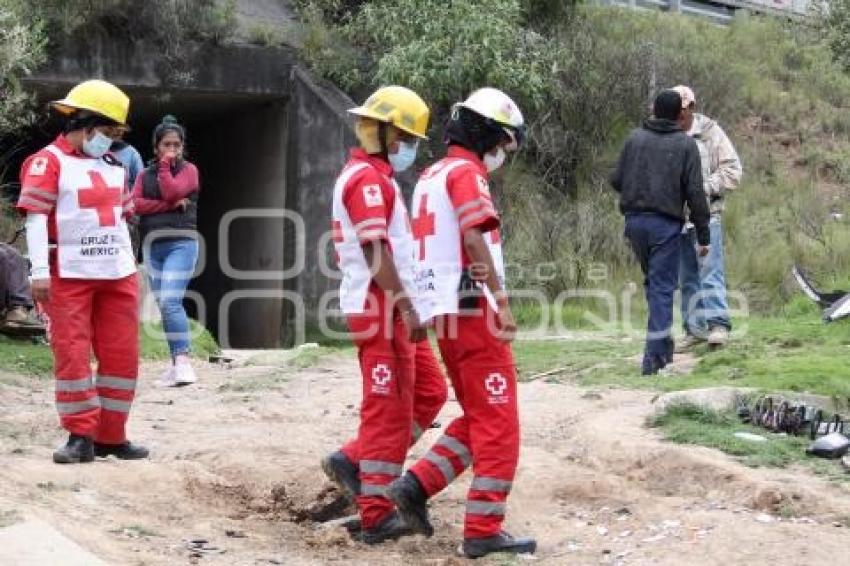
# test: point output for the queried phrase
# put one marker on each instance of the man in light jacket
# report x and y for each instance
(705, 310)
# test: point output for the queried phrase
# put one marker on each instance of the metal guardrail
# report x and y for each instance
(720, 11)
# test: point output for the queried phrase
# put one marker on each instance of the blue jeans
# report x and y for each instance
(655, 239)
(703, 283)
(171, 265)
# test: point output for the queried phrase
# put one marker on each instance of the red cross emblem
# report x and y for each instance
(423, 225)
(381, 374)
(496, 384)
(102, 198)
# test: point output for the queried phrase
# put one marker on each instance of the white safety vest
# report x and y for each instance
(92, 237)
(355, 271)
(439, 244)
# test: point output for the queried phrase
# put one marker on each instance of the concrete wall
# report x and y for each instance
(322, 133)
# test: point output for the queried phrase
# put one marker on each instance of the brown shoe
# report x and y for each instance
(688, 342)
(718, 336)
(20, 321)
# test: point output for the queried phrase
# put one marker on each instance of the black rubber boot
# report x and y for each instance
(78, 450)
(342, 472)
(391, 528)
(503, 542)
(412, 503)
(125, 451)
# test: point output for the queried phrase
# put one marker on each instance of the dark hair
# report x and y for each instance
(168, 124)
(86, 120)
(473, 131)
(668, 105)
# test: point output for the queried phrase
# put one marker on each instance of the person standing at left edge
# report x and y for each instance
(76, 201)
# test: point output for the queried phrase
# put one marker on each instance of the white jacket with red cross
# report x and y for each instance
(368, 206)
(87, 202)
(451, 197)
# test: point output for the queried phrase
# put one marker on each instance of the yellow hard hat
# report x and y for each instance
(99, 97)
(398, 106)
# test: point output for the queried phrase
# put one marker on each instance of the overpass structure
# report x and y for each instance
(722, 11)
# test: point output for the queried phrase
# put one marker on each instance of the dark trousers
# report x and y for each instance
(656, 241)
(14, 281)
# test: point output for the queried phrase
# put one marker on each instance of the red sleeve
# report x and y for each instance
(369, 202)
(39, 183)
(144, 206)
(177, 187)
(127, 205)
(470, 196)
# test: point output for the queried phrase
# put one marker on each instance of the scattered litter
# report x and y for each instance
(833, 445)
(199, 547)
(625, 534)
(749, 436)
(623, 511)
(837, 524)
(765, 518)
(232, 533)
(656, 538)
(603, 531)
(671, 524)
(573, 546)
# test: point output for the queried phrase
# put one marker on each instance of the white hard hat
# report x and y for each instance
(494, 104)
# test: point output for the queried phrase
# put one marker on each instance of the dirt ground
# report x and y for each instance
(235, 468)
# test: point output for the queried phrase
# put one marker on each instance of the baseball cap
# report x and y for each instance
(687, 95)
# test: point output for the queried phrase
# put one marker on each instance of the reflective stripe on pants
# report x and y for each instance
(483, 375)
(99, 316)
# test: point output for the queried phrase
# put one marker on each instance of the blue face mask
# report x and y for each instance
(97, 146)
(405, 156)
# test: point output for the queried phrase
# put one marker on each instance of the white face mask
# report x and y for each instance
(97, 146)
(493, 162)
(404, 157)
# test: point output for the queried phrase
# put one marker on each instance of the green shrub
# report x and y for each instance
(584, 77)
(21, 51)
(265, 35)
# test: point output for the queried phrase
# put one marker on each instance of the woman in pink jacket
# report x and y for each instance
(166, 199)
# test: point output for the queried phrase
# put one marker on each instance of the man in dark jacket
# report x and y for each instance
(658, 173)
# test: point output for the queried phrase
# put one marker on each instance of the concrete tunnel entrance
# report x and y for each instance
(239, 144)
(268, 140)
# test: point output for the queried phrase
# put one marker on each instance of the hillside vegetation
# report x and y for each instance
(584, 77)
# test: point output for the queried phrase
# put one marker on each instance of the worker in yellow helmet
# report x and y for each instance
(403, 387)
(76, 201)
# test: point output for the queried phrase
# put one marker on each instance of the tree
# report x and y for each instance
(22, 49)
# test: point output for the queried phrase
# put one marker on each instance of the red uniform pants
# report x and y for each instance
(386, 413)
(429, 395)
(483, 375)
(101, 317)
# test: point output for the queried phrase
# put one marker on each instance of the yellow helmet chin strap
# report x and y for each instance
(368, 132)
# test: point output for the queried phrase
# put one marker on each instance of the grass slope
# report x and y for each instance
(22, 356)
